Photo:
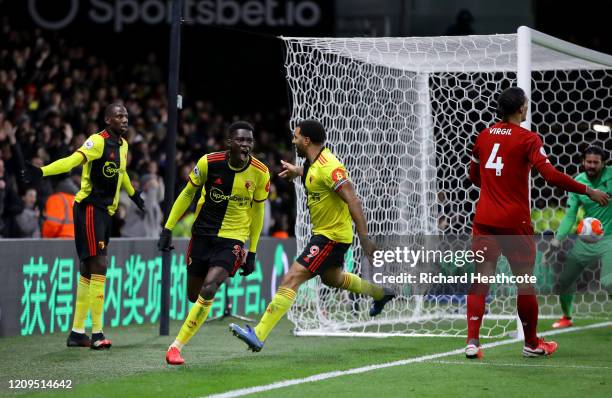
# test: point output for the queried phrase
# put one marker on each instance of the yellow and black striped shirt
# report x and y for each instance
(104, 171)
(225, 201)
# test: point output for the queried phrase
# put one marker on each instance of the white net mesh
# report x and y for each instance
(401, 113)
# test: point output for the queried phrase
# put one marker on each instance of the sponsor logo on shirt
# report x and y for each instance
(217, 196)
(110, 169)
(314, 196)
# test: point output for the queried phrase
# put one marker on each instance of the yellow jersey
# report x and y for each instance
(329, 214)
(227, 193)
(104, 171)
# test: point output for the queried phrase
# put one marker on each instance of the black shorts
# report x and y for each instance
(92, 229)
(321, 253)
(204, 252)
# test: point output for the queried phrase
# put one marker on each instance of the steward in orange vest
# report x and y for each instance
(58, 213)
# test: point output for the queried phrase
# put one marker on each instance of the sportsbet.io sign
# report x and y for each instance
(122, 13)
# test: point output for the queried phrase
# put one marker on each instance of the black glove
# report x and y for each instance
(249, 265)
(165, 240)
(31, 174)
(137, 199)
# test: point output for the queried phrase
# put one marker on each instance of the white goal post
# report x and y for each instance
(402, 114)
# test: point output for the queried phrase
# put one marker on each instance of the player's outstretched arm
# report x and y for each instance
(290, 171)
(537, 157)
(31, 173)
(90, 150)
(347, 192)
(565, 182)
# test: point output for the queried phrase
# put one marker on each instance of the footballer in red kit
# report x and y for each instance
(502, 158)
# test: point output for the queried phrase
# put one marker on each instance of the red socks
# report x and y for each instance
(475, 312)
(527, 306)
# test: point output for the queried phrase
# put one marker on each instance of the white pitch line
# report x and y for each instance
(522, 365)
(330, 375)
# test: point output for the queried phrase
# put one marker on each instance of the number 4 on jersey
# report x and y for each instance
(494, 161)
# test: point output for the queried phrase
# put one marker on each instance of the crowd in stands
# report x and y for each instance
(52, 97)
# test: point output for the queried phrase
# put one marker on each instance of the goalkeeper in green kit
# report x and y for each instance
(596, 175)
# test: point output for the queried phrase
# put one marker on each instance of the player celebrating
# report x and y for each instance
(231, 208)
(596, 175)
(501, 161)
(332, 203)
(104, 158)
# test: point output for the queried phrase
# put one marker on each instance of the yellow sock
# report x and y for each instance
(355, 284)
(81, 308)
(96, 301)
(280, 304)
(196, 317)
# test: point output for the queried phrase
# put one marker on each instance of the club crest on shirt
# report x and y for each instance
(248, 184)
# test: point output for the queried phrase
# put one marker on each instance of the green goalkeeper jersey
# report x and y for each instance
(591, 209)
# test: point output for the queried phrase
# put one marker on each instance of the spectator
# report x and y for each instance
(463, 24)
(10, 204)
(27, 221)
(55, 94)
(147, 223)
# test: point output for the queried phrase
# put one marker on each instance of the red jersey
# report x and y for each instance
(503, 156)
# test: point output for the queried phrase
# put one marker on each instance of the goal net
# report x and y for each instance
(402, 114)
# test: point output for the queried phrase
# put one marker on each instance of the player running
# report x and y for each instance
(596, 175)
(332, 203)
(234, 187)
(104, 159)
(502, 158)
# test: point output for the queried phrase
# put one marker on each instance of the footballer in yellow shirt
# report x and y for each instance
(104, 160)
(333, 206)
(233, 186)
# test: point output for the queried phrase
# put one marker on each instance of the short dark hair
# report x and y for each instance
(314, 130)
(595, 150)
(510, 101)
(239, 125)
(110, 107)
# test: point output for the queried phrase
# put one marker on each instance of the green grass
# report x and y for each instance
(218, 362)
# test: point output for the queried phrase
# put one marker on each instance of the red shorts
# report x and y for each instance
(516, 244)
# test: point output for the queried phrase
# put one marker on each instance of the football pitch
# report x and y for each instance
(291, 366)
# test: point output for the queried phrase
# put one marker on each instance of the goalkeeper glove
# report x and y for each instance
(31, 174)
(249, 265)
(137, 199)
(165, 240)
